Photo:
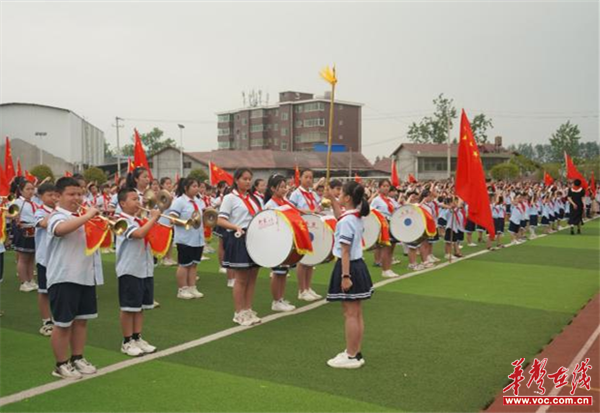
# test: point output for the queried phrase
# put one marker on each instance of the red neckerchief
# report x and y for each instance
(258, 194)
(309, 197)
(46, 209)
(349, 212)
(106, 199)
(206, 200)
(33, 208)
(194, 204)
(247, 202)
(283, 202)
(388, 202)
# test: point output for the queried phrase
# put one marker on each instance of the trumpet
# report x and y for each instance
(186, 224)
(8, 198)
(210, 217)
(11, 210)
(161, 200)
(118, 226)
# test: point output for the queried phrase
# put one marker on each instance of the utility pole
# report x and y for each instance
(449, 160)
(181, 128)
(117, 126)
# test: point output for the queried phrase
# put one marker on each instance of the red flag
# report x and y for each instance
(297, 177)
(159, 238)
(96, 229)
(9, 166)
(470, 179)
(139, 155)
(217, 175)
(4, 185)
(395, 179)
(412, 179)
(357, 178)
(19, 170)
(573, 173)
(30, 177)
(130, 165)
(548, 180)
(593, 185)
(67, 173)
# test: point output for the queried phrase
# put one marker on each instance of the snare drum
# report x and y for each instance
(411, 224)
(372, 230)
(322, 237)
(270, 240)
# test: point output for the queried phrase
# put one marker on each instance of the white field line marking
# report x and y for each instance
(576, 360)
(45, 388)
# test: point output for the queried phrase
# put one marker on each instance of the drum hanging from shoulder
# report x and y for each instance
(372, 230)
(270, 240)
(412, 224)
(322, 237)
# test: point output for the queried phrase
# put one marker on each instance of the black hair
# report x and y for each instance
(164, 180)
(184, 184)
(21, 185)
(383, 181)
(257, 182)
(64, 182)
(237, 175)
(123, 193)
(335, 183)
(78, 177)
(424, 194)
(221, 184)
(577, 182)
(357, 193)
(46, 187)
(320, 187)
(132, 177)
(306, 170)
(274, 182)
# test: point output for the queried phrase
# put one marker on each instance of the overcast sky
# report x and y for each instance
(530, 66)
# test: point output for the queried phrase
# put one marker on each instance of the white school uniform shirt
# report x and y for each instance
(66, 260)
(455, 220)
(41, 235)
(235, 211)
(2, 250)
(380, 205)
(516, 214)
(26, 212)
(532, 210)
(134, 256)
(349, 230)
(260, 198)
(498, 211)
(299, 200)
(183, 208)
(96, 201)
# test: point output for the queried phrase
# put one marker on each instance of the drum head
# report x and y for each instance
(269, 239)
(322, 240)
(372, 230)
(408, 223)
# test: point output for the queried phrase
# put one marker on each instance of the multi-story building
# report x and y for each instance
(297, 122)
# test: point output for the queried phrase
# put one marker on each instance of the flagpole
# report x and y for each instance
(329, 76)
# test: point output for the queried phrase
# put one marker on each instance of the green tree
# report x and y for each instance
(434, 129)
(41, 172)
(525, 165)
(94, 174)
(565, 139)
(199, 174)
(504, 171)
(152, 141)
(480, 124)
(108, 151)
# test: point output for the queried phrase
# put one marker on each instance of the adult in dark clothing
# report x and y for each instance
(575, 197)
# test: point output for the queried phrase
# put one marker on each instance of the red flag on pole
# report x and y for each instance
(67, 173)
(573, 173)
(297, 177)
(30, 177)
(412, 179)
(592, 185)
(9, 166)
(139, 155)
(217, 175)
(395, 179)
(4, 185)
(357, 178)
(19, 170)
(130, 165)
(470, 179)
(548, 180)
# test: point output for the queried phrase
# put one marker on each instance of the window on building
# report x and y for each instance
(244, 136)
(224, 145)
(284, 131)
(187, 165)
(275, 142)
(298, 123)
(311, 137)
(257, 128)
(314, 107)
(257, 142)
(284, 145)
(285, 116)
(224, 118)
(309, 123)
(298, 109)
(244, 121)
(224, 131)
(276, 127)
(258, 113)
(276, 112)
(237, 116)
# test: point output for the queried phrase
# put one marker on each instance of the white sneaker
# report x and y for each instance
(131, 349)
(253, 317)
(415, 267)
(427, 264)
(156, 304)
(144, 346)
(84, 367)
(204, 258)
(168, 262)
(231, 283)
(26, 287)
(460, 247)
(209, 250)
(66, 371)
(520, 241)
(314, 294)
(395, 262)
(389, 274)
(281, 305)
(306, 296)
(184, 294)
(241, 319)
(472, 244)
(344, 361)
(194, 291)
(46, 329)
(222, 270)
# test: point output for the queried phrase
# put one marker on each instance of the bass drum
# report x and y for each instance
(372, 230)
(322, 238)
(409, 224)
(270, 240)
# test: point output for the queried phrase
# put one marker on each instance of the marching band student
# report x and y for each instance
(386, 206)
(135, 272)
(222, 190)
(524, 208)
(532, 212)
(469, 228)
(275, 198)
(190, 242)
(514, 222)
(167, 185)
(139, 180)
(413, 248)
(72, 277)
(498, 215)
(350, 280)
(305, 199)
(259, 189)
(546, 213)
(94, 196)
(237, 210)
(155, 185)
(47, 193)
(575, 198)
(429, 203)
(24, 234)
(454, 226)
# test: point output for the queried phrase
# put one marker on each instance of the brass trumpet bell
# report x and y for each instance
(11, 210)
(9, 198)
(196, 219)
(161, 200)
(118, 226)
(210, 217)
